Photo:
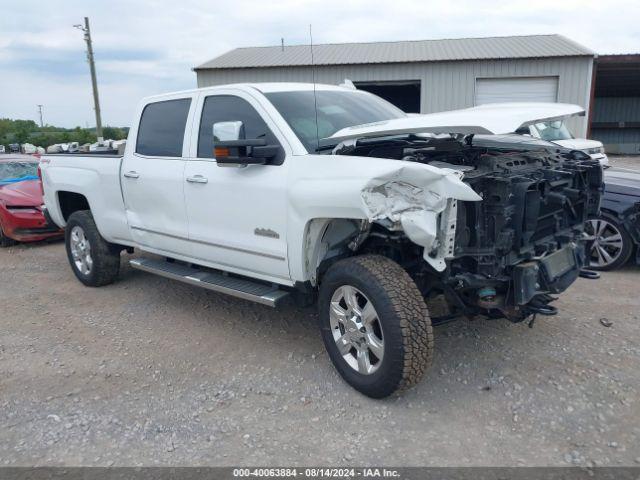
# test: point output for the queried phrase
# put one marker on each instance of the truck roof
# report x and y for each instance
(267, 87)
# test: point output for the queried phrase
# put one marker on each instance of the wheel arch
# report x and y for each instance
(327, 240)
(70, 202)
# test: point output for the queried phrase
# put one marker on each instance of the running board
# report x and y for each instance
(264, 293)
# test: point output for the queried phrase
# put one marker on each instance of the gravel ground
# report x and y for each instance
(150, 372)
(631, 162)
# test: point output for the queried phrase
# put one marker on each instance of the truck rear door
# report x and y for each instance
(152, 177)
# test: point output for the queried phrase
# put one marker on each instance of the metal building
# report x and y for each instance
(428, 75)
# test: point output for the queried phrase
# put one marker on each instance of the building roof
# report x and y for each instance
(531, 46)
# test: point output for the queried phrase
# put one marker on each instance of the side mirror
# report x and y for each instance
(227, 131)
(232, 149)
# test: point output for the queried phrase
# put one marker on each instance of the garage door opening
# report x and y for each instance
(405, 94)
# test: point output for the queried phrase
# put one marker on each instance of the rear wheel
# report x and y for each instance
(609, 244)
(94, 261)
(375, 325)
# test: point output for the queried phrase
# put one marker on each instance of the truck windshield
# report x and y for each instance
(336, 110)
(554, 130)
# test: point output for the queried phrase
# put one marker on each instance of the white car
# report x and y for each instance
(28, 148)
(557, 132)
(333, 194)
(55, 148)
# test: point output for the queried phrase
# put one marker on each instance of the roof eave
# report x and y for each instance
(283, 65)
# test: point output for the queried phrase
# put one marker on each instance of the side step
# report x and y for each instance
(265, 293)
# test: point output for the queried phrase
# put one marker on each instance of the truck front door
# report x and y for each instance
(152, 177)
(237, 215)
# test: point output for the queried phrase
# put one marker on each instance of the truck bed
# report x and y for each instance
(93, 176)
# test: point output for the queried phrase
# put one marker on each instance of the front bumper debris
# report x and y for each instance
(551, 274)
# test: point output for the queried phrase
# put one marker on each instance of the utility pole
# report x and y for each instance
(40, 112)
(94, 81)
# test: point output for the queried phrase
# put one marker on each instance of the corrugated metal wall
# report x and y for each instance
(615, 110)
(444, 85)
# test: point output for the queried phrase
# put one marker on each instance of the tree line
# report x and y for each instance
(28, 131)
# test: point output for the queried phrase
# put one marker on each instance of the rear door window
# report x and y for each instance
(161, 129)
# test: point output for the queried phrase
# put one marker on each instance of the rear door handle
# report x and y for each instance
(197, 179)
(131, 174)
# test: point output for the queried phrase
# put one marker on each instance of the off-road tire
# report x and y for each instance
(403, 316)
(106, 256)
(6, 241)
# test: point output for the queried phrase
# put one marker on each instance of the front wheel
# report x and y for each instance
(375, 325)
(609, 245)
(94, 261)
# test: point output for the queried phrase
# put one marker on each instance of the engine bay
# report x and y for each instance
(524, 241)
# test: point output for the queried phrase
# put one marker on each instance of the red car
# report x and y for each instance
(21, 215)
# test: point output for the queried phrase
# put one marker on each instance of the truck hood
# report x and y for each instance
(495, 118)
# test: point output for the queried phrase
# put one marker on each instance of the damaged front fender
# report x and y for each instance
(417, 199)
(422, 201)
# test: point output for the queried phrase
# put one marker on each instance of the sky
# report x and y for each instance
(146, 47)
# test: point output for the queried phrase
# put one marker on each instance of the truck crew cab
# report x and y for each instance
(317, 192)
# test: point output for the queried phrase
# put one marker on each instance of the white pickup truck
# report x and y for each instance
(317, 192)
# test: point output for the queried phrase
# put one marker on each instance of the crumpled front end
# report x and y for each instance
(499, 243)
(425, 213)
(525, 241)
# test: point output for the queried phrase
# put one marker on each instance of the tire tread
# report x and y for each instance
(389, 280)
(106, 259)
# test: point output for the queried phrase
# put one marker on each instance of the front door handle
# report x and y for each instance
(197, 179)
(131, 174)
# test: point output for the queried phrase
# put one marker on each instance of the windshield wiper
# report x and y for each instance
(325, 144)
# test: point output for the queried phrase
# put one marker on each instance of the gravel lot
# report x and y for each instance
(150, 372)
(631, 162)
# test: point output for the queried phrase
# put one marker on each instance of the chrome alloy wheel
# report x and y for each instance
(81, 250)
(356, 329)
(605, 242)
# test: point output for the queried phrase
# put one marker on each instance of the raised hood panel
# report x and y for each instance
(495, 118)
